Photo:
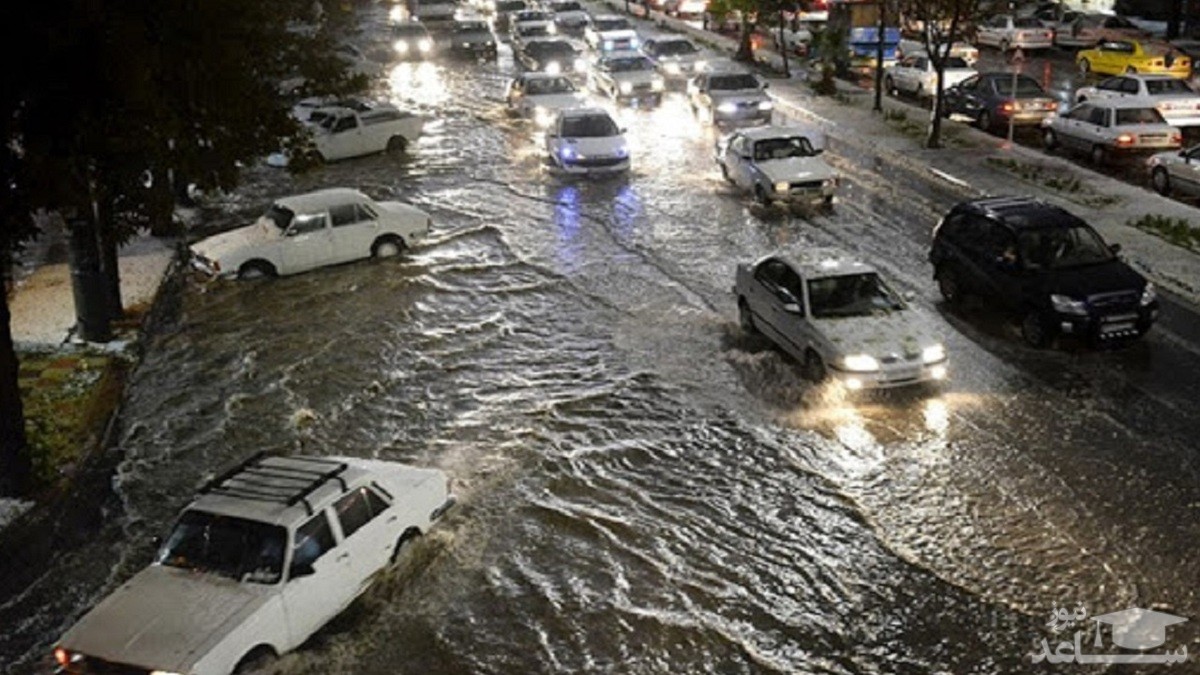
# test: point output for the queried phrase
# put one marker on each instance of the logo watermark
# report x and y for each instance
(1134, 630)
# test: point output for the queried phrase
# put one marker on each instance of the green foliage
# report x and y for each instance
(1178, 231)
(827, 47)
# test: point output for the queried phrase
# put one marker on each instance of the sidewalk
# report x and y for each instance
(983, 165)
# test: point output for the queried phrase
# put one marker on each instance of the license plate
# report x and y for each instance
(1116, 327)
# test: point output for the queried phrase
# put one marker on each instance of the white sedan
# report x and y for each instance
(915, 75)
(627, 76)
(1176, 172)
(1107, 129)
(540, 97)
(307, 231)
(778, 164)
(1177, 100)
(586, 140)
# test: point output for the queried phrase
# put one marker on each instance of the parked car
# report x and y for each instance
(963, 50)
(1088, 30)
(263, 557)
(413, 40)
(1177, 100)
(1132, 56)
(551, 55)
(730, 96)
(505, 9)
(307, 231)
(628, 77)
(916, 76)
(1107, 129)
(317, 108)
(675, 58)
(541, 97)
(840, 319)
(990, 101)
(610, 33)
(344, 133)
(796, 38)
(569, 15)
(778, 164)
(684, 9)
(1044, 266)
(1176, 172)
(586, 141)
(472, 38)
(1007, 32)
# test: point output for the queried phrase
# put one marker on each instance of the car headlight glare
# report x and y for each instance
(657, 84)
(580, 65)
(542, 116)
(933, 354)
(623, 151)
(401, 47)
(765, 105)
(626, 88)
(727, 107)
(860, 363)
(634, 43)
(782, 186)
(700, 65)
(424, 45)
(551, 29)
(608, 45)
(1149, 294)
(672, 68)
(553, 68)
(1067, 305)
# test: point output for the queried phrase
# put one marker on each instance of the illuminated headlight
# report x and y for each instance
(542, 116)
(1066, 305)
(553, 68)
(608, 45)
(765, 105)
(700, 65)
(626, 88)
(860, 363)
(933, 354)
(65, 658)
(782, 186)
(396, 15)
(566, 153)
(401, 47)
(1149, 294)
(853, 383)
(634, 43)
(163, 672)
(657, 84)
(424, 46)
(727, 107)
(551, 29)
(580, 65)
(623, 151)
(672, 68)
(938, 372)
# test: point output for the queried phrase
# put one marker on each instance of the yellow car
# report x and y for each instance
(1117, 57)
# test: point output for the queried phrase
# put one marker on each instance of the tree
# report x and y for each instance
(747, 12)
(941, 23)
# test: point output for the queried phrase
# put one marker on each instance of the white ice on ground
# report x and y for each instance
(11, 509)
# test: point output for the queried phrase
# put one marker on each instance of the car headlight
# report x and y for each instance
(765, 105)
(727, 107)
(672, 68)
(553, 68)
(634, 43)
(626, 88)
(580, 65)
(542, 116)
(1067, 305)
(782, 186)
(623, 151)
(657, 84)
(700, 65)
(1149, 294)
(933, 354)
(401, 47)
(551, 29)
(424, 45)
(860, 363)
(608, 45)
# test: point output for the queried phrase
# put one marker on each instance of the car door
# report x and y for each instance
(791, 314)
(370, 528)
(976, 265)
(1096, 128)
(774, 303)
(351, 234)
(320, 580)
(741, 151)
(344, 138)
(307, 243)
(1068, 127)
(1185, 174)
(959, 97)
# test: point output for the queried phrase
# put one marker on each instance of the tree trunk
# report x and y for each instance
(784, 48)
(878, 107)
(87, 281)
(935, 121)
(15, 466)
(745, 52)
(110, 261)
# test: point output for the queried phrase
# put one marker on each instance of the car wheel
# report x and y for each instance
(1085, 67)
(1099, 154)
(889, 86)
(257, 659)
(388, 246)
(1033, 330)
(405, 542)
(949, 286)
(984, 121)
(813, 369)
(746, 318)
(760, 194)
(397, 144)
(256, 269)
(1161, 181)
(1049, 140)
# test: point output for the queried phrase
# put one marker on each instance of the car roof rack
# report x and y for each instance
(254, 479)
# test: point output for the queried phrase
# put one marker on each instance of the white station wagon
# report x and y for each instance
(264, 556)
(312, 230)
(838, 318)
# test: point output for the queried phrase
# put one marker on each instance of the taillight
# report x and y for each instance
(1008, 106)
(1052, 105)
(216, 265)
(1125, 139)
(62, 656)
(1157, 63)
(1177, 139)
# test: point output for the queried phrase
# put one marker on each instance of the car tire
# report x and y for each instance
(813, 368)
(1098, 155)
(397, 144)
(1049, 140)
(760, 195)
(1161, 181)
(387, 246)
(405, 541)
(889, 86)
(984, 121)
(949, 286)
(1085, 67)
(1034, 330)
(256, 269)
(746, 318)
(255, 660)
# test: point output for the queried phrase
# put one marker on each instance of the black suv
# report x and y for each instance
(1047, 266)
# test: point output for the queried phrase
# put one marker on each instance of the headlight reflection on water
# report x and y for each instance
(417, 82)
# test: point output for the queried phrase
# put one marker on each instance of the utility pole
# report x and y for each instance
(882, 28)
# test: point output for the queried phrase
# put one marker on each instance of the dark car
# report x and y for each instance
(472, 38)
(1046, 266)
(990, 101)
(505, 9)
(551, 55)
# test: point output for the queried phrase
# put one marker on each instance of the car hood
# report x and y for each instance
(163, 617)
(635, 76)
(555, 101)
(220, 246)
(474, 38)
(681, 58)
(795, 169)
(902, 333)
(622, 34)
(720, 95)
(1080, 282)
(590, 147)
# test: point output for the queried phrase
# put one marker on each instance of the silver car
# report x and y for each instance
(1176, 172)
(1104, 129)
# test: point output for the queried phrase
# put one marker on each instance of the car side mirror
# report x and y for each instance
(301, 570)
(1115, 248)
(792, 308)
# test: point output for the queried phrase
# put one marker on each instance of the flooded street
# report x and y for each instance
(642, 488)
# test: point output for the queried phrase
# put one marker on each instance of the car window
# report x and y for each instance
(313, 539)
(1168, 86)
(770, 273)
(307, 222)
(344, 123)
(366, 212)
(280, 215)
(1111, 84)
(1139, 116)
(782, 148)
(952, 227)
(1121, 47)
(1079, 112)
(851, 295)
(237, 548)
(358, 508)
(1062, 247)
(343, 214)
(1098, 116)
(738, 146)
(969, 84)
(589, 126)
(733, 82)
(1129, 85)
(975, 233)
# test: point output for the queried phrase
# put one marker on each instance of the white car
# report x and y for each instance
(611, 33)
(312, 230)
(839, 319)
(1104, 129)
(531, 23)
(413, 40)
(555, 56)
(541, 97)
(1176, 99)
(1007, 32)
(586, 140)
(1089, 30)
(263, 557)
(676, 58)
(343, 133)
(626, 76)
(963, 50)
(730, 96)
(434, 11)
(915, 75)
(778, 164)
(1176, 172)
(569, 15)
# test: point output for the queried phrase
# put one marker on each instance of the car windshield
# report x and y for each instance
(743, 81)
(410, 30)
(281, 216)
(232, 547)
(473, 27)
(549, 85)
(533, 30)
(851, 295)
(568, 7)
(1026, 87)
(510, 5)
(589, 126)
(1138, 116)
(533, 15)
(551, 48)
(676, 48)
(1169, 86)
(1062, 247)
(1027, 22)
(782, 148)
(630, 64)
(612, 24)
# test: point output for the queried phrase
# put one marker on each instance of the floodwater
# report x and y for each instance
(643, 489)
